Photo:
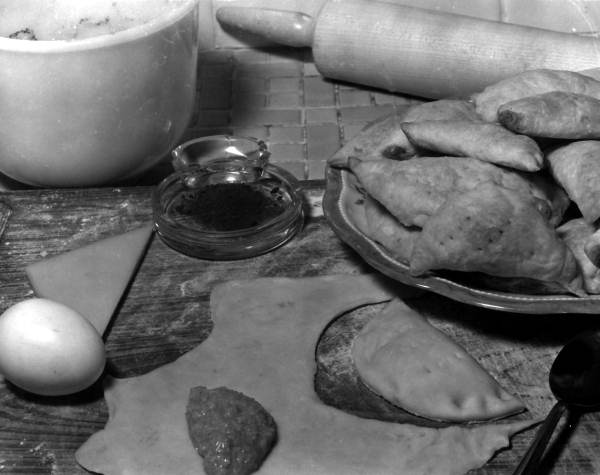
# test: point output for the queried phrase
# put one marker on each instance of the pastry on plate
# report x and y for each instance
(482, 140)
(555, 114)
(584, 241)
(495, 231)
(531, 83)
(413, 190)
(576, 167)
(384, 137)
(375, 222)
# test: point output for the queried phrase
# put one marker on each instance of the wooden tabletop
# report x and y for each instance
(165, 314)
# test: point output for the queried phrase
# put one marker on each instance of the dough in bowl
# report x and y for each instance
(72, 20)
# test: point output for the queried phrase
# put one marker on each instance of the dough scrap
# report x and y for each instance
(262, 344)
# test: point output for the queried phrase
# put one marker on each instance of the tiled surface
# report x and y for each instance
(279, 96)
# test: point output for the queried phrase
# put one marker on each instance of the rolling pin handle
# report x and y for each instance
(279, 26)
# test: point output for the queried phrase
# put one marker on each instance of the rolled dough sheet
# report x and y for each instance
(263, 344)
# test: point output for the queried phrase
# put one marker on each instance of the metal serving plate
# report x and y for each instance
(338, 196)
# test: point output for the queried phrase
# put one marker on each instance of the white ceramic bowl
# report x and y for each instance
(93, 111)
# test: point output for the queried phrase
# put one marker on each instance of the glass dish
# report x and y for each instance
(225, 201)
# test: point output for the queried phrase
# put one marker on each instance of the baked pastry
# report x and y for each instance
(413, 190)
(406, 360)
(495, 231)
(482, 140)
(374, 221)
(530, 83)
(384, 137)
(584, 242)
(555, 114)
(576, 167)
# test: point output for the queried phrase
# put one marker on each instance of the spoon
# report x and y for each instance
(575, 382)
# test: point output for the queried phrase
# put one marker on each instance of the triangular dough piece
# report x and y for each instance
(91, 279)
(409, 362)
(492, 230)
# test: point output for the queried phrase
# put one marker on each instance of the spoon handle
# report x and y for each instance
(532, 458)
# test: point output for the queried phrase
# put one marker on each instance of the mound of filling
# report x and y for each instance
(232, 432)
(71, 20)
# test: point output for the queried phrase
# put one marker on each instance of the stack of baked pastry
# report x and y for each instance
(505, 183)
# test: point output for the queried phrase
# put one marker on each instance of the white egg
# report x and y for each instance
(48, 348)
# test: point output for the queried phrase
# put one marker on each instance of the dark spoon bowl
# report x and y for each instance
(575, 374)
(575, 382)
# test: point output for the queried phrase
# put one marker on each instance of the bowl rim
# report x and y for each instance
(104, 40)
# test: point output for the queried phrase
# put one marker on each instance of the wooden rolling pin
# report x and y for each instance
(412, 50)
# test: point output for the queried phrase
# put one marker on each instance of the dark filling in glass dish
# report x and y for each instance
(231, 206)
